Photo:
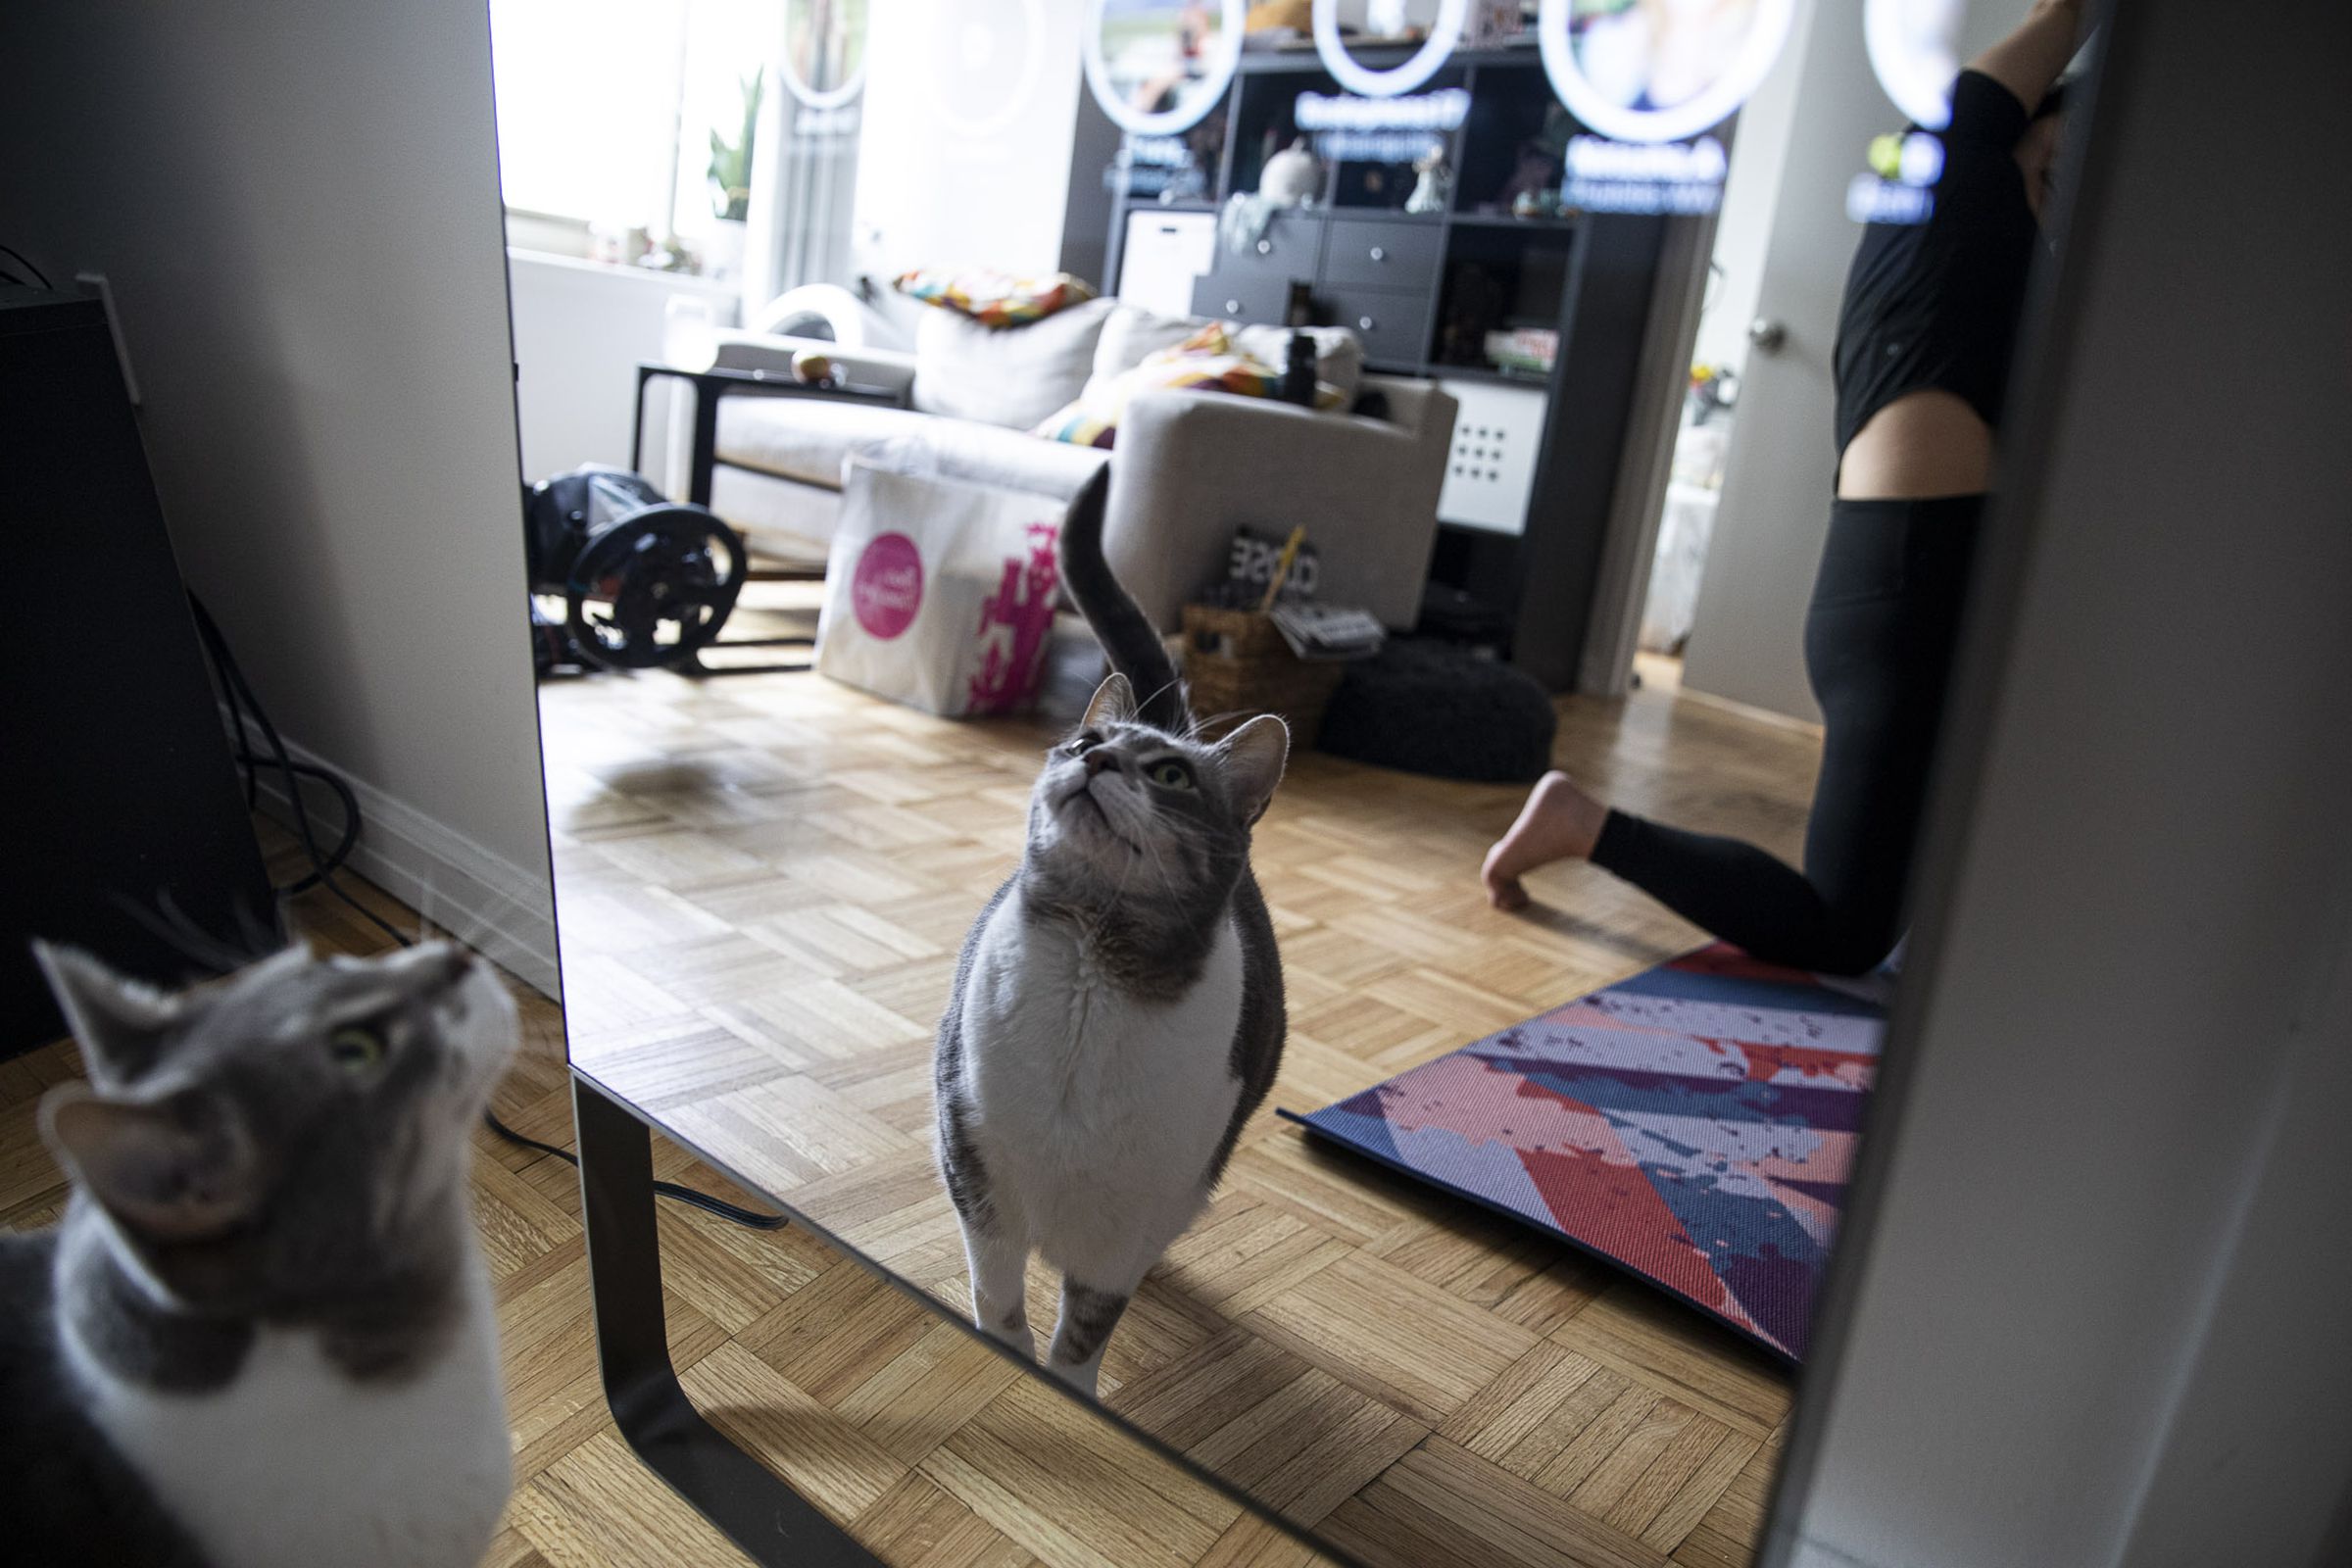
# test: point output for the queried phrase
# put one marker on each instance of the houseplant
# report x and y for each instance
(731, 185)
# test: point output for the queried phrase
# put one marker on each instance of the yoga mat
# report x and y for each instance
(1693, 1125)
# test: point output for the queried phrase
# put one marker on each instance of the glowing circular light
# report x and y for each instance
(1915, 55)
(1444, 34)
(1225, 56)
(976, 43)
(825, 98)
(1767, 31)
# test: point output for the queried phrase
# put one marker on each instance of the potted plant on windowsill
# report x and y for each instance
(731, 187)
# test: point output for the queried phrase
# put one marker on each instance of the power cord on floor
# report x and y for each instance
(239, 695)
(684, 1194)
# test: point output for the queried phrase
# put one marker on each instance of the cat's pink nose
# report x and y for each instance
(1100, 758)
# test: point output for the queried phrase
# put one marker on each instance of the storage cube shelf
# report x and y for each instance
(1523, 524)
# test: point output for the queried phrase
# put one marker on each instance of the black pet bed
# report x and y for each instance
(1433, 707)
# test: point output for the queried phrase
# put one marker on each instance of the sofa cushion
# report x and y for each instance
(1339, 353)
(1133, 334)
(1209, 360)
(1013, 377)
(1009, 460)
(807, 439)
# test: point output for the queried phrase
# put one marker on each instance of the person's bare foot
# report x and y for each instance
(1558, 822)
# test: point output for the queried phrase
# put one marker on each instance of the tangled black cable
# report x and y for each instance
(239, 695)
(21, 260)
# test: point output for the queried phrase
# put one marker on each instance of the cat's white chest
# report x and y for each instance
(293, 1464)
(1097, 1110)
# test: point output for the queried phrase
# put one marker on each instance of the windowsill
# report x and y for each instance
(673, 282)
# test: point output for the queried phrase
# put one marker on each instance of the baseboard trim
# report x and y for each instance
(499, 909)
(1762, 716)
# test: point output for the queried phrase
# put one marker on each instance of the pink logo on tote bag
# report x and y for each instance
(887, 588)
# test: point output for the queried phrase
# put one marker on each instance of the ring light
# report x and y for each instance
(1444, 34)
(1225, 56)
(1711, 104)
(831, 98)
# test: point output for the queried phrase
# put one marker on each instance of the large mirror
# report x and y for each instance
(1426, 1111)
(1299, 814)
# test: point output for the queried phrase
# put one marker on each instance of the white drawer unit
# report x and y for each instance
(1497, 435)
(1165, 256)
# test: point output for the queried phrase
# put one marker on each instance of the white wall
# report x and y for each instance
(298, 207)
(2090, 1307)
(931, 194)
(581, 329)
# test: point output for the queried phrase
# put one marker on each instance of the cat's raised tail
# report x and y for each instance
(1129, 640)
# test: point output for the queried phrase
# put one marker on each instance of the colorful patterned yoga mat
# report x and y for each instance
(1695, 1125)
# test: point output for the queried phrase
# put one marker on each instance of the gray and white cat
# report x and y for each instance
(1117, 1012)
(262, 1335)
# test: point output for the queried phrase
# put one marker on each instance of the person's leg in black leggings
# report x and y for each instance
(1878, 643)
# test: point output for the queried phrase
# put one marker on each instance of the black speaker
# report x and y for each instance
(120, 805)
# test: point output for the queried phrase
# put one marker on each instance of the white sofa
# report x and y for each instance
(1190, 466)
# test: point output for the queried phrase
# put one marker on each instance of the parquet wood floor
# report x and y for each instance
(760, 879)
(762, 884)
(933, 1450)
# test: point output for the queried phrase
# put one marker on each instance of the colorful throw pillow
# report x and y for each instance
(1206, 361)
(993, 298)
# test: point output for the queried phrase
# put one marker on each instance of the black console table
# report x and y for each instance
(712, 387)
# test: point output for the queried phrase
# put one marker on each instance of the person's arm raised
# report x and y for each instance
(2029, 59)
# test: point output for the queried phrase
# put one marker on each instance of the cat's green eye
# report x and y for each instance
(1171, 774)
(1084, 744)
(353, 1048)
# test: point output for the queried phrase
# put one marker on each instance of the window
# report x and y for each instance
(606, 107)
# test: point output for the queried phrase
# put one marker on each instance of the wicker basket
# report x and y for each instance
(1237, 663)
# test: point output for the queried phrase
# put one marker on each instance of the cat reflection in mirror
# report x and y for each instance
(1117, 1012)
(262, 1335)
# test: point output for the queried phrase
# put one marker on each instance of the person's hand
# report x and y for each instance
(2028, 61)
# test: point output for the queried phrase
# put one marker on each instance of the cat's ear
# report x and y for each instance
(1254, 756)
(120, 1022)
(1113, 704)
(170, 1170)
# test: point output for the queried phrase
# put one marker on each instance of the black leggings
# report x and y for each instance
(1878, 643)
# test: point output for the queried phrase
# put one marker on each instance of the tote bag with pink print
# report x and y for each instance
(939, 592)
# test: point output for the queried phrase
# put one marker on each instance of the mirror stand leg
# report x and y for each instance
(748, 1502)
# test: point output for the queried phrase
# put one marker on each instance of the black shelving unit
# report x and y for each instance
(1422, 289)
